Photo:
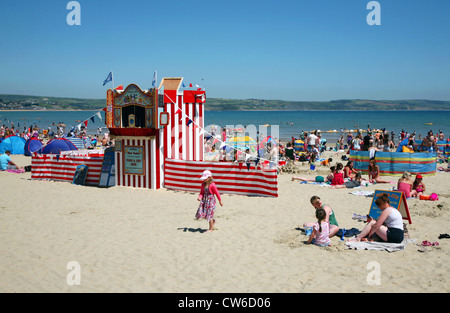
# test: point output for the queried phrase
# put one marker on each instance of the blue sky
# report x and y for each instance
(290, 50)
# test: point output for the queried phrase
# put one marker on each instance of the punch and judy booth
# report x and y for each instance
(147, 126)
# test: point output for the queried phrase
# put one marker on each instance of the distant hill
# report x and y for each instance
(21, 102)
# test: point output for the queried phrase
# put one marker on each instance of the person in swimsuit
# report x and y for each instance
(349, 171)
(404, 184)
(331, 218)
(374, 173)
(418, 187)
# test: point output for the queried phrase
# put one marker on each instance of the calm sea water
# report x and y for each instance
(290, 123)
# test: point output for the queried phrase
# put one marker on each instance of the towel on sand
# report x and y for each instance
(366, 193)
(375, 245)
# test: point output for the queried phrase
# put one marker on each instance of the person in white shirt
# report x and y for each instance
(389, 226)
(312, 140)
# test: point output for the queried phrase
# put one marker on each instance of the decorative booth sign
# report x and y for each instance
(133, 160)
(397, 200)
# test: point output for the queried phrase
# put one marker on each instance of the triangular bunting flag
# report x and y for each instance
(188, 121)
(256, 162)
(178, 111)
(85, 123)
(92, 119)
(99, 116)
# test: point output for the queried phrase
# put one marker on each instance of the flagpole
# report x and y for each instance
(112, 77)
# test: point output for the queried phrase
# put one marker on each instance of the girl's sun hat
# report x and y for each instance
(206, 174)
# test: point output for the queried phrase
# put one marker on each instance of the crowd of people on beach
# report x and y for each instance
(46, 134)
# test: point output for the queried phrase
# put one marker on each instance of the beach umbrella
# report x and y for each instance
(265, 141)
(56, 145)
(14, 144)
(32, 145)
(242, 141)
(299, 145)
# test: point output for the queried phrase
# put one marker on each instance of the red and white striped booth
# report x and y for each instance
(159, 142)
(148, 127)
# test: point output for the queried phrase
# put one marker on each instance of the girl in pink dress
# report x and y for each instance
(207, 198)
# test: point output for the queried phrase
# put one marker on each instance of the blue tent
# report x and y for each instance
(55, 146)
(32, 145)
(14, 144)
(402, 144)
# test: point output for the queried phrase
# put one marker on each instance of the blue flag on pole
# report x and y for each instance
(154, 79)
(108, 79)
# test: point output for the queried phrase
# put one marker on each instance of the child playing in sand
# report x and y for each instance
(418, 186)
(207, 198)
(321, 230)
(330, 216)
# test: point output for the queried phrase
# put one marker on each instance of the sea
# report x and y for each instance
(281, 124)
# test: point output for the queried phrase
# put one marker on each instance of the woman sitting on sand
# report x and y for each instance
(317, 179)
(338, 178)
(356, 182)
(374, 173)
(404, 184)
(389, 226)
(349, 171)
(331, 218)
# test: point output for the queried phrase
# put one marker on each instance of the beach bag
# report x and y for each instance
(433, 197)
(407, 150)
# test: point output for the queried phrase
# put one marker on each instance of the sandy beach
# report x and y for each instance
(136, 240)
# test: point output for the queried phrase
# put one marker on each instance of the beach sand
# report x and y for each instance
(136, 240)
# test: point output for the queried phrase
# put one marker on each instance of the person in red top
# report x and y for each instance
(338, 178)
(207, 198)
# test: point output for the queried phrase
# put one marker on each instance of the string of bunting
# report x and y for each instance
(222, 144)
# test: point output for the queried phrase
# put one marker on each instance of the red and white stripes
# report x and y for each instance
(230, 178)
(183, 139)
(152, 174)
(62, 167)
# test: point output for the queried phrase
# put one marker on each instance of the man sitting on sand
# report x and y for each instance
(330, 216)
(6, 163)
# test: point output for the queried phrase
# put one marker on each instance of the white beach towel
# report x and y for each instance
(374, 245)
(360, 192)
